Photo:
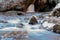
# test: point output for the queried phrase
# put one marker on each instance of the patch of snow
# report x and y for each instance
(57, 6)
(31, 8)
(48, 25)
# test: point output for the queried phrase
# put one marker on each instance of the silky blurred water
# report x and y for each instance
(34, 32)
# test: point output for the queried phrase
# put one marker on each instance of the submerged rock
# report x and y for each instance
(56, 28)
(33, 20)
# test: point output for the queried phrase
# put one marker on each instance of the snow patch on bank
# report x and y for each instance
(48, 26)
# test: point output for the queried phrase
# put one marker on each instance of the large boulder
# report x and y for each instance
(20, 5)
(33, 20)
(55, 11)
(56, 28)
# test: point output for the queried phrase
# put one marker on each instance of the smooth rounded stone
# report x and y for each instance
(55, 11)
(33, 20)
(56, 28)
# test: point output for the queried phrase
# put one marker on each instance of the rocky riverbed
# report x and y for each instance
(20, 23)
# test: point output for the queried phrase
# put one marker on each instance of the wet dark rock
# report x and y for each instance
(56, 28)
(33, 20)
(20, 13)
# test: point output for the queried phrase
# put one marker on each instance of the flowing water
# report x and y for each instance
(34, 31)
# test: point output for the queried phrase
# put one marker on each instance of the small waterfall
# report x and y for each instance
(31, 8)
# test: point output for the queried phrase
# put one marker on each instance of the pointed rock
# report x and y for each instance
(33, 20)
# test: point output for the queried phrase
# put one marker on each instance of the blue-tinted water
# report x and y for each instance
(34, 33)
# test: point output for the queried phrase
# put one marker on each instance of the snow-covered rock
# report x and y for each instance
(31, 8)
(55, 11)
(48, 26)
